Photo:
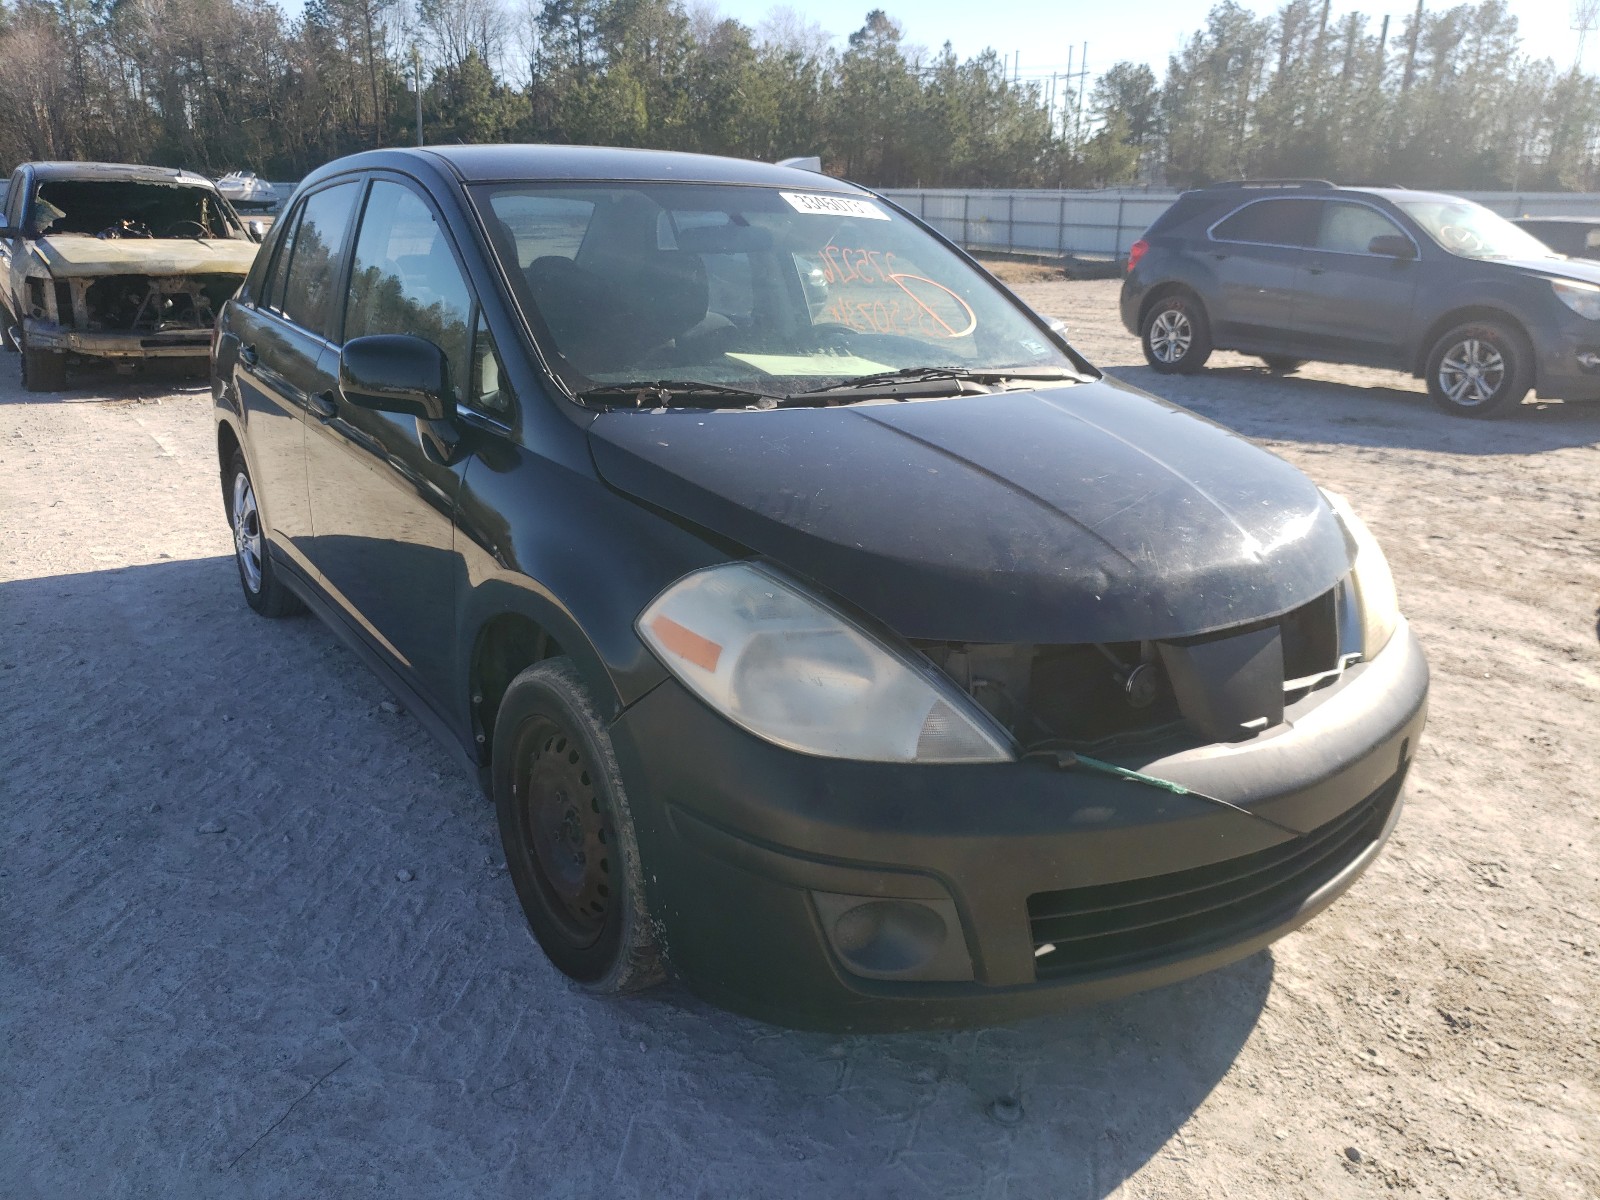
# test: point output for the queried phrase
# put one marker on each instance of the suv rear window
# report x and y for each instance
(1272, 223)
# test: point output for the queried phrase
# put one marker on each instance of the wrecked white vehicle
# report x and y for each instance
(112, 261)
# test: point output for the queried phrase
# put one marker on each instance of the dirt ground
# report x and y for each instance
(256, 940)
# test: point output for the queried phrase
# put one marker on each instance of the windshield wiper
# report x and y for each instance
(663, 393)
(890, 379)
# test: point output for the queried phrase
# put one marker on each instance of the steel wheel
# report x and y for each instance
(1472, 372)
(571, 848)
(563, 828)
(246, 522)
(1171, 335)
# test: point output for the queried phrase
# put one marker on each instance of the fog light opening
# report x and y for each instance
(889, 936)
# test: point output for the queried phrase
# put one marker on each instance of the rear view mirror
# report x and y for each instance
(1392, 245)
(394, 372)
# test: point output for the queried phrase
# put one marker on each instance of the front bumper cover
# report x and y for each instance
(743, 844)
(175, 343)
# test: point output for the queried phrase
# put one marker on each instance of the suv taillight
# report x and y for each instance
(1136, 252)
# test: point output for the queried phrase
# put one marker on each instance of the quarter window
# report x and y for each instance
(308, 293)
(1272, 223)
(489, 391)
(272, 288)
(1349, 228)
(405, 279)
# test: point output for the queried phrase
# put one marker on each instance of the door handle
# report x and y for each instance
(324, 405)
(248, 356)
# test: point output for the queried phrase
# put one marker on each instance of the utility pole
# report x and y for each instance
(1585, 18)
(416, 69)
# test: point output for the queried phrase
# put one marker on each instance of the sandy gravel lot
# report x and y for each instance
(255, 941)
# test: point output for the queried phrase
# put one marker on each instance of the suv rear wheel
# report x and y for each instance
(263, 590)
(1176, 335)
(1480, 369)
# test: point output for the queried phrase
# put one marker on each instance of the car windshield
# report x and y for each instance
(1471, 230)
(125, 208)
(752, 288)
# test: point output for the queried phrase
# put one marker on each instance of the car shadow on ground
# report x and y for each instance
(1296, 408)
(101, 381)
(260, 940)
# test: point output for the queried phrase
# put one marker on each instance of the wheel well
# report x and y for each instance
(1461, 316)
(227, 443)
(507, 645)
(1161, 292)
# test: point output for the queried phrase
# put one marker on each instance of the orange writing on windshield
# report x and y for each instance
(875, 297)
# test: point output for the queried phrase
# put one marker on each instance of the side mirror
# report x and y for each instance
(395, 372)
(1392, 245)
(256, 229)
(1057, 326)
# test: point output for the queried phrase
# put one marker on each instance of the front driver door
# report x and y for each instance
(382, 496)
(1354, 304)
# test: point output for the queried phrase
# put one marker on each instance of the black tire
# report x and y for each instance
(258, 577)
(43, 370)
(1176, 335)
(568, 832)
(1282, 364)
(1480, 369)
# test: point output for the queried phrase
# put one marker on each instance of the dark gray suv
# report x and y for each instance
(1298, 270)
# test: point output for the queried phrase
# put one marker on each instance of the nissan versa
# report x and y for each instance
(826, 629)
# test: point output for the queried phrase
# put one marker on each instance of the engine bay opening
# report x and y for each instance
(1117, 697)
(156, 303)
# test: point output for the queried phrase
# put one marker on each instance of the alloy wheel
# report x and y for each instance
(247, 532)
(1472, 372)
(1171, 334)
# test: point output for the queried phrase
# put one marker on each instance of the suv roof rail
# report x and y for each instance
(1263, 183)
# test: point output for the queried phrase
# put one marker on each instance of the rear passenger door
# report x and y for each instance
(1354, 304)
(383, 496)
(1256, 254)
(285, 358)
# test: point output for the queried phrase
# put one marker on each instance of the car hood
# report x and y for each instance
(1075, 514)
(78, 256)
(1557, 268)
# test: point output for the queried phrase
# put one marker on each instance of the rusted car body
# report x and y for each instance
(114, 261)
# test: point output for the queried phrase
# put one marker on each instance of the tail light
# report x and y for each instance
(1136, 252)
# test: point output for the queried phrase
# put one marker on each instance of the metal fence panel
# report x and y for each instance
(1104, 224)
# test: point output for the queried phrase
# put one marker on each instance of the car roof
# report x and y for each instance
(475, 164)
(1317, 189)
(125, 172)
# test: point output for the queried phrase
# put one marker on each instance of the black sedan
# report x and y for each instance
(827, 631)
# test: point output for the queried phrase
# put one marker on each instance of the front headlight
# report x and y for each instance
(1380, 606)
(1581, 298)
(789, 668)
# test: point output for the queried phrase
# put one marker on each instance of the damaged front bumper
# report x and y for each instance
(870, 896)
(174, 343)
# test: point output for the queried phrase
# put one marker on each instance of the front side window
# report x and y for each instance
(757, 288)
(405, 279)
(1350, 228)
(1272, 223)
(308, 296)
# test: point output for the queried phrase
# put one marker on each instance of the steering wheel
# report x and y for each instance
(1459, 237)
(172, 229)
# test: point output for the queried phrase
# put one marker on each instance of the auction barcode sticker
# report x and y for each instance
(833, 206)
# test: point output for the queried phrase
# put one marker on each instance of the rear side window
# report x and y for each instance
(1349, 228)
(1272, 223)
(405, 279)
(308, 297)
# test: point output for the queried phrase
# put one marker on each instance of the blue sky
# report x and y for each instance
(1141, 30)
